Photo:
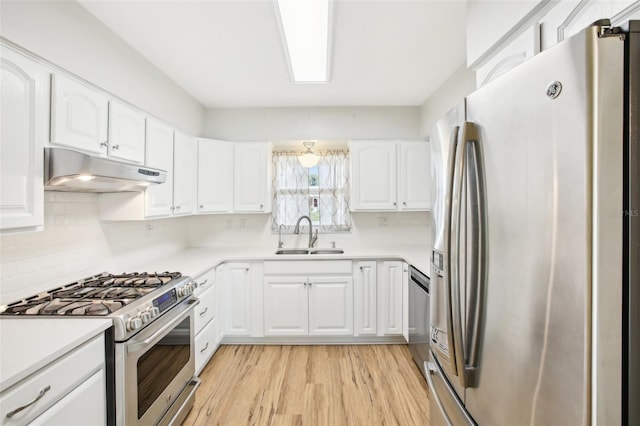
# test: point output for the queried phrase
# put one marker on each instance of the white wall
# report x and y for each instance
(75, 245)
(238, 124)
(64, 33)
(460, 84)
(383, 232)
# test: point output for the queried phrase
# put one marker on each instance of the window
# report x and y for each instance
(321, 192)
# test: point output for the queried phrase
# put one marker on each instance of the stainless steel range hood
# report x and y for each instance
(68, 170)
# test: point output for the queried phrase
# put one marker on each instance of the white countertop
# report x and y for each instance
(28, 344)
(196, 261)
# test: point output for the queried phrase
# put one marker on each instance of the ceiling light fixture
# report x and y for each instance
(305, 28)
(308, 159)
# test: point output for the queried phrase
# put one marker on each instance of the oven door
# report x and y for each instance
(154, 367)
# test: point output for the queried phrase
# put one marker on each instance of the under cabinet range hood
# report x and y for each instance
(69, 170)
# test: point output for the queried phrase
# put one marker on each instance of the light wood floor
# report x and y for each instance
(311, 385)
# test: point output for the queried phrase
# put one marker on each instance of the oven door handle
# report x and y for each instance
(182, 311)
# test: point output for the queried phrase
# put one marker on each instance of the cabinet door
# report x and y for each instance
(251, 177)
(237, 294)
(215, 176)
(79, 116)
(330, 306)
(414, 171)
(206, 343)
(286, 306)
(185, 163)
(83, 406)
(364, 288)
(24, 124)
(159, 154)
(373, 175)
(126, 133)
(390, 298)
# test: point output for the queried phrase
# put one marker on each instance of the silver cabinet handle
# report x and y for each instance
(203, 282)
(40, 395)
(105, 144)
(202, 206)
(177, 207)
(404, 203)
(115, 147)
(362, 268)
(261, 206)
(205, 347)
(205, 311)
(395, 204)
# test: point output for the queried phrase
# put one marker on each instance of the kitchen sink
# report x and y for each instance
(309, 251)
(326, 251)
(292, 251)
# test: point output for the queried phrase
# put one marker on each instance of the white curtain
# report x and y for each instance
(321, 192)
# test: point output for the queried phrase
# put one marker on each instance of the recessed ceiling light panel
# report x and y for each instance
(305, 26)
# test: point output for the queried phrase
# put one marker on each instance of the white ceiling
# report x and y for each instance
(229, 53)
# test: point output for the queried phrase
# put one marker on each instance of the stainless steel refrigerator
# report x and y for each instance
(534, 274)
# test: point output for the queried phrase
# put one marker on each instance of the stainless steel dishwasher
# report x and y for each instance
(419, 287)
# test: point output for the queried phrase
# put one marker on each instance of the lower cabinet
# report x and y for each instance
(205, 320)
(69, 391)
(243, 299)
(365, 298)
(390, 297)
(308, 305)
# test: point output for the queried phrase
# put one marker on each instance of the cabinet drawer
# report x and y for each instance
(206, 309)
(206, 343)
(306, 267)
(61, 377)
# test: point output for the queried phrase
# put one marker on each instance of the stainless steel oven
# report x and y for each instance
(154, 375)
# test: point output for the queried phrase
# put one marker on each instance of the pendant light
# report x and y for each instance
(308, 159)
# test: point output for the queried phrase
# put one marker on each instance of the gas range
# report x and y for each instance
(132, 300)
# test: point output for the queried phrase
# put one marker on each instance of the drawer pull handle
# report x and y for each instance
(17, 410)
(205, 311)
(205, 347)
(203, 282)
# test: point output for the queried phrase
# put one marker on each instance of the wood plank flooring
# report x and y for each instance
(311, 385)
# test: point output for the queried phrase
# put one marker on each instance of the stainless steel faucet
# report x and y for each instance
(280, 236)
(312, 239)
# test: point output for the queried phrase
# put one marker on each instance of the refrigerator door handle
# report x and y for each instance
(476, 264)
(468, 259)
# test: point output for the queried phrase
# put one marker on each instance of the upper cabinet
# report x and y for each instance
(87, 120)
(569, 17)
(389, 175)
(185, 162)
(159, 154)
(252, 177)
(24, 127)
(491, 24)
(126, 133)
(215, 176)
(79, 116)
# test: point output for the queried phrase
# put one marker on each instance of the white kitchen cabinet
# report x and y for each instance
(390, 175)
(414, 175)
(373, 175)
(365, 299)
(308, 305)
(24, 129)
(159, 154)
(569, 17)
(185, 163)
(79, 116)
(243, 316)
(215, 176)
(126, 133)
(286, 306)
(205, 319)
(390, 298)
(330, 306)
(71, 384)
(252, 177)
(492, 24)
(83, 406)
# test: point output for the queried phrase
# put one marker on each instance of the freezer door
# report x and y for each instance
(444, 138)
(552, 163)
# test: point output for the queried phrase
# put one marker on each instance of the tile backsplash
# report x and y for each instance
(75, 244)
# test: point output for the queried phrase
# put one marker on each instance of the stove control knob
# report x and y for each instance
(134, 323)
(145, 317)
(153, 312)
